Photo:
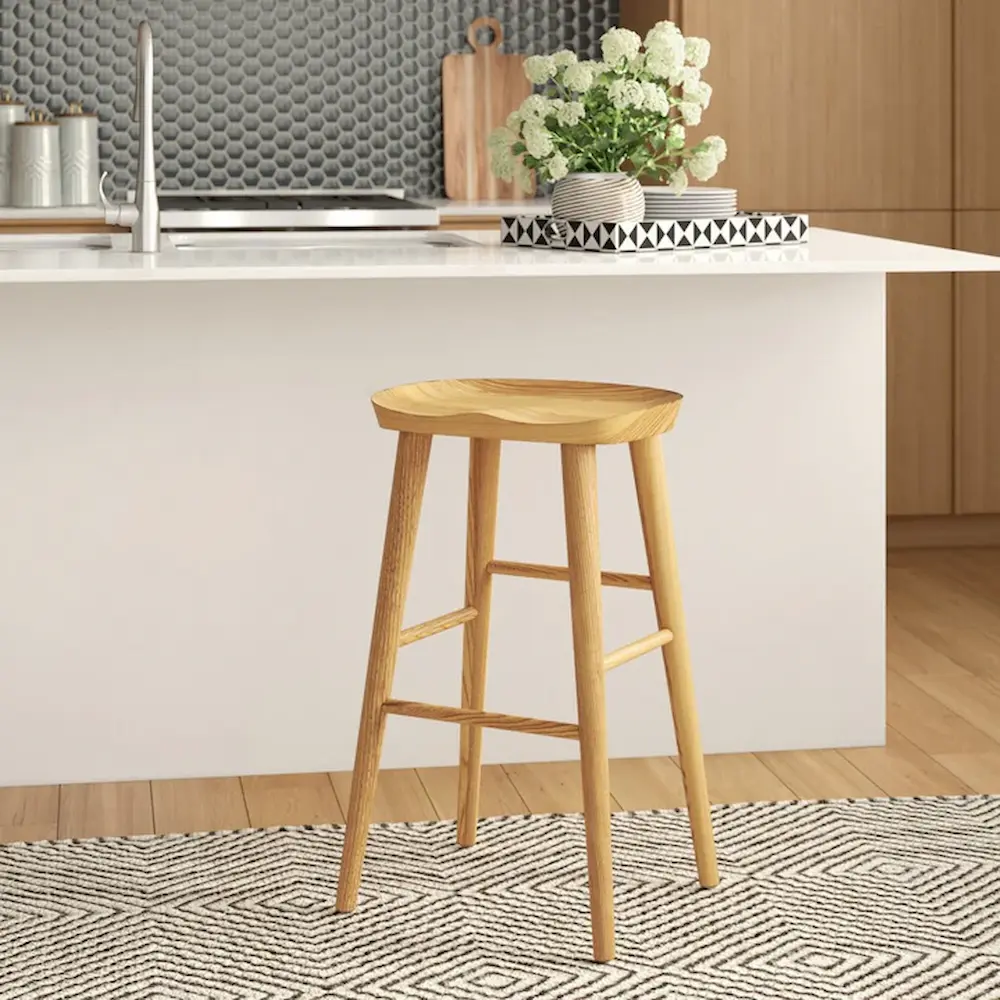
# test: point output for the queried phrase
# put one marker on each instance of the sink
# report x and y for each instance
(316, 240)
(243, 241)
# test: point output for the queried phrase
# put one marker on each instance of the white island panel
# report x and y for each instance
(194, 491)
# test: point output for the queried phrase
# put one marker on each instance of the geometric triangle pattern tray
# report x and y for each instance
(745, 230)
(880, 899)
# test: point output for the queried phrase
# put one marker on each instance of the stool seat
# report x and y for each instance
(557, 412)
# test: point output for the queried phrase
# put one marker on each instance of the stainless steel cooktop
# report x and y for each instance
(293, 210)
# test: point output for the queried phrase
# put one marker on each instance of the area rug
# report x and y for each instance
(880, 899)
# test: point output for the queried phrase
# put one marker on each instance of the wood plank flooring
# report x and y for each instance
(943, 738)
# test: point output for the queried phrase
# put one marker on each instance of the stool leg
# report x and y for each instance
(484, 482)
(579, 466)
(412, 456)
(657, 529)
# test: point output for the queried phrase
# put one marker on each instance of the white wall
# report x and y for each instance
(193, 491)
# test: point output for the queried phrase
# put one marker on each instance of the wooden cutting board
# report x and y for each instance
(478, 92)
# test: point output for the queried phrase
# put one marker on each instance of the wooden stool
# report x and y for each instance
(578, 416)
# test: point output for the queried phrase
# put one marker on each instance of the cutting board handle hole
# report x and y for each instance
(485, 33)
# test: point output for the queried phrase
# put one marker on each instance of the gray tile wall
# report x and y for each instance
(273, 93)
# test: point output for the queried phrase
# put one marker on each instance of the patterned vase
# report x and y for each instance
(598, 198)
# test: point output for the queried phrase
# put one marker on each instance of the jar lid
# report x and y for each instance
(36, 116)
(75, 110)
(7, 97)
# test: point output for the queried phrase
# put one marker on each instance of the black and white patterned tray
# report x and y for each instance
(744, 230)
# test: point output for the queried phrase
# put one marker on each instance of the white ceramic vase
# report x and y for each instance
(598, 198)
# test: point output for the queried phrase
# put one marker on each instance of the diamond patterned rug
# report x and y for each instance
(879, 899)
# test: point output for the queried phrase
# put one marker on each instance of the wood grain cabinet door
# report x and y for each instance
(977, 104)
(831, 104)
(641, 15)
(977, 376)
(920, 425)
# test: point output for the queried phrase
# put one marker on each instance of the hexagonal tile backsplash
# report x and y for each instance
(272, 93)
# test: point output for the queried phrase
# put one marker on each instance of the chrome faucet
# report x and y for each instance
(143, 215)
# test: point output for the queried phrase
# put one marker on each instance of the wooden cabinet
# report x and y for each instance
(881, 117)
(977, 104)
(920, 377)
(977, 382)
(977, 188)
(641, 15)
(831, 104)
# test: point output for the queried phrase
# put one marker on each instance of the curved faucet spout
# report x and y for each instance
(143, 69)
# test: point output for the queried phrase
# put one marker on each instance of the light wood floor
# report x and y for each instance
(943, 738)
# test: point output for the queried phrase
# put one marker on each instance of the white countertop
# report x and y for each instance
(481, 256)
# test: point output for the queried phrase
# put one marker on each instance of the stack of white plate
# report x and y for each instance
(695, 203)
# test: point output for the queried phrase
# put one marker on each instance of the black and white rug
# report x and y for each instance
(891, 899)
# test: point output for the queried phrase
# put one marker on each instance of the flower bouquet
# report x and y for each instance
(617, 119)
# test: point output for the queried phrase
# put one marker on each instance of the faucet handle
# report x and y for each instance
(117, 213)
(105, 201)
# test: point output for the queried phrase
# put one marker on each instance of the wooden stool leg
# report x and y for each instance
(657, 529)
(484, 481)
(579, 465)
(412, 456)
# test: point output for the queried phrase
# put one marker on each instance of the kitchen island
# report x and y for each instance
(194, 493)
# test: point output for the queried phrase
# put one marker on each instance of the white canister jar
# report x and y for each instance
(11, 112)
(36, 173)
(613, 197)
(81, 173)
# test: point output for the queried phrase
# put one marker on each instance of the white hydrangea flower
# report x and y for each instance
(626, 94)
(521, 175)
(658, 66)
(699, 92)
(502, 162)
(617, 95)
(637, 64)
(533, 108)
(514, 121)
(620, 45)
(676, 137)
(564, 58)
(637, 96)
(718, 147)
(537, 140)
(667, 59)
(570, 114)
(654, 98)
(685, 76)
(502, 138)
(697, 51)
(690, 112)
(539, 69)
(679, 181)
(703, 166)
(578, 78)
(557, 166)
(660, 35)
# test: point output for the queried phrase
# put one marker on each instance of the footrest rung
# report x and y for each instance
(440, 624)
(539, 571)
(491, 720)
(634, 649)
